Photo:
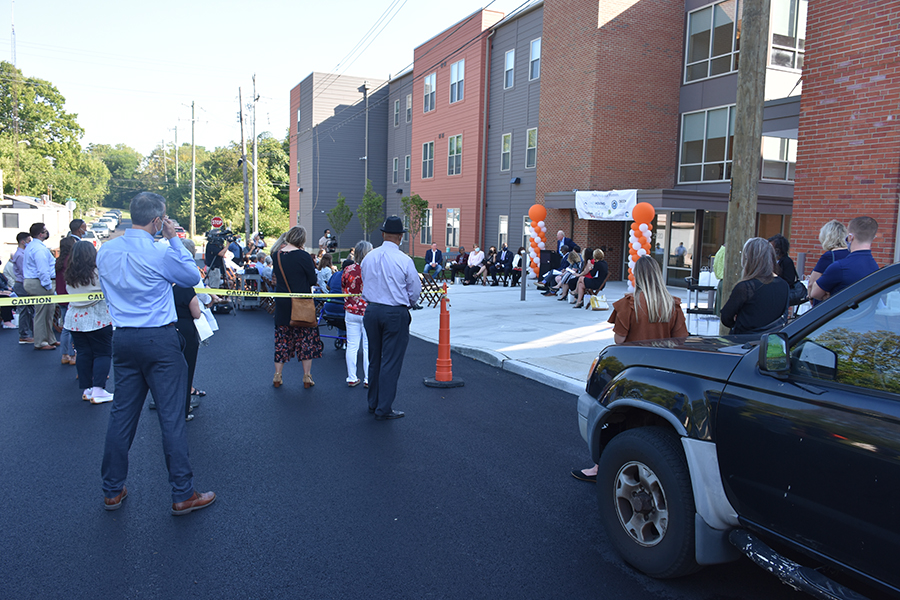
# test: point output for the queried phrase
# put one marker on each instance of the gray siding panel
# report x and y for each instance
(514, 111)
(399, 142)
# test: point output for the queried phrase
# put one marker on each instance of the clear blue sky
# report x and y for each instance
(130, 70)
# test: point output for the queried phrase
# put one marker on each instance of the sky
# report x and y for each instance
(130, 70)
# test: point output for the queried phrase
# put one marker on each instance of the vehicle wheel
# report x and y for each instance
(646, 502)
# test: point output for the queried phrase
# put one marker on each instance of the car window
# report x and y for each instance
(860, 346)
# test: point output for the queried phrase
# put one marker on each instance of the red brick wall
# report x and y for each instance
(610, 84)
(848, 160)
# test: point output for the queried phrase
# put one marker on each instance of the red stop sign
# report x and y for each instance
(217, 222)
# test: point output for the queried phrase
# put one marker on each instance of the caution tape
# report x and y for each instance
(63, 298)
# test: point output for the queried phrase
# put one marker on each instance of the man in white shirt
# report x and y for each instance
(39, 270)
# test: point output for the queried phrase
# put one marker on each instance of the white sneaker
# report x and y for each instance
(101, 396)
(86, 395)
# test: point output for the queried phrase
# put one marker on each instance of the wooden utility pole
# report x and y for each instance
(255, 167)
(751, 88)
(244, 165)
(193, 174)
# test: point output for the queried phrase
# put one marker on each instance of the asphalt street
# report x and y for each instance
(469, 496)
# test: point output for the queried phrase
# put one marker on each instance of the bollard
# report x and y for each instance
(443, 374)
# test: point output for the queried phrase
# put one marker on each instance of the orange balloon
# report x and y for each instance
(635, 227)
(631, 277)
(649, 227)
(537, 212)
(643, 212)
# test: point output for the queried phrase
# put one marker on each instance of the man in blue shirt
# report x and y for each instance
(137, 276)
(391, 286)
(39, 270)
(858, 264)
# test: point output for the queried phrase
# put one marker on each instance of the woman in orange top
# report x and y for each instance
(651, 313)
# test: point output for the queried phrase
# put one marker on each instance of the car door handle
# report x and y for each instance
(812, 389)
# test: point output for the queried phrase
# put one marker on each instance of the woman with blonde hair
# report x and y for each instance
(833, 237)
(294, 272)
(592, 280)
(650, 313)
(759, 301)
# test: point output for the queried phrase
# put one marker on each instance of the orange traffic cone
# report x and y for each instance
(443, 374)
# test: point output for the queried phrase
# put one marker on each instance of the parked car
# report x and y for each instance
(708, 447)
(90, 236)
(114, 215)
(101, 230)
(180, 232)
(110, 222)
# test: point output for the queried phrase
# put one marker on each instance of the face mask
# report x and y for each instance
(160, 227)
(477, 249)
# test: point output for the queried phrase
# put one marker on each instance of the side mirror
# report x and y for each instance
(773, 354)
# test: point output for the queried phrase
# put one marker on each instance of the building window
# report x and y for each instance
(526, 223)
(788, 33)
(534, 65)
(509, 69)
(505, 151)
(454, 155)
(396, 169)
(457, 81)
(427, 160)
(429, 91)
(714, 35)
(452, 227)
(425, 232)
(396, 113)
(707, 140)
(10, 220)
(406, 230)
(409, 108)
(531, 148)
(779, 158)
(503, 231)
(298, 172)
(298, 120)
(407, 169)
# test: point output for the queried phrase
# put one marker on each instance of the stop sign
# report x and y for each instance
(217, 222)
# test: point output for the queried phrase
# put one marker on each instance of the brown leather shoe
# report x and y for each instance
(115, 503)
(195, 502)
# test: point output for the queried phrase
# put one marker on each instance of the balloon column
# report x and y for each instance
(537, 231)
(639, 240)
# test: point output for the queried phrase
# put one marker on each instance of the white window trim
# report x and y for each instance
(409, 108)
(458, 138)
(534, 166)
(531, 59)
(702, 164)
(513, 70)
(509, 163)
(407, 168)
(796, 50)
(460, 82)
(396, 173)
(397, 113)
(429, 219)
(734, 51)
(431, 77)
(424, 160)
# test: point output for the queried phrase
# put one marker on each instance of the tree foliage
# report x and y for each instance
(415, 210)
(371, 209)
(339, 216)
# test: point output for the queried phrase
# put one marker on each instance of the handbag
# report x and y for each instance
(798, 294)
(598, 302)
(303, 310)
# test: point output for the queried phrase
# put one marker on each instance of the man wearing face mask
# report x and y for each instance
(137, 276)
(476, 258)
(39, 270)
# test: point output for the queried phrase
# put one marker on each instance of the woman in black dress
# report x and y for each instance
(187, 308)
(293, 268)
(759, 301)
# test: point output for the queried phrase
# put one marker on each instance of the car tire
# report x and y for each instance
(646, 502)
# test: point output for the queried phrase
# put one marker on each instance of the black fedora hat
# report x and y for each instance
(393, 224)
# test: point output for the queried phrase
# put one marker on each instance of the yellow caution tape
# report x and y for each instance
(63, 298)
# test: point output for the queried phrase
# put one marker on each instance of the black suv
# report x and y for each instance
(709, 445)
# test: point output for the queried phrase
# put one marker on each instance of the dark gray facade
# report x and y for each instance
(512, 110)
(399, 143)
(332, 148)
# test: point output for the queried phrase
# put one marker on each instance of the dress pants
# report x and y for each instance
(148, 358)
(356, 332)
(387, 328)
(94, 356)
(26, 313)
(43, 314)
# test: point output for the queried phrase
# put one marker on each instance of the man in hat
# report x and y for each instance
(391, 286)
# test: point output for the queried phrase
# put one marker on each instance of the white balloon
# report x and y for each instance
(542, 245)
(631, 264)
(643, 227)
(630, 288)
(642, 252)
(636, 246)
(541, 225)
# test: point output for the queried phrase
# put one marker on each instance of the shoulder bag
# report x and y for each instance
(303, 310)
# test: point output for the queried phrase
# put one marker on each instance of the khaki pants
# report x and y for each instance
(43, 314)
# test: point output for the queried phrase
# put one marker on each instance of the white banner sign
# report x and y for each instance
(606, 206)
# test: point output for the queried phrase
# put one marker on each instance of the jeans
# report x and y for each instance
(94, 356)
(65, 338)
(388, 330)
(437, 270)
(148, 358)
(356, 332)
(26, 313)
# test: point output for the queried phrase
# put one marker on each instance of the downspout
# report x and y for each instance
(484, 142)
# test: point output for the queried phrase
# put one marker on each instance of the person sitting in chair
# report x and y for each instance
(433, 261)
(459, 264)
(503, 265)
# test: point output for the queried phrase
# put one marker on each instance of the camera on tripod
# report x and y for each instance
(222, 237)
(331, 245)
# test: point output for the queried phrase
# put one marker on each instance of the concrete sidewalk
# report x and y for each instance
(541, 338)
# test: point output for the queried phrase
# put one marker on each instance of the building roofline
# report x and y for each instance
(535, 4)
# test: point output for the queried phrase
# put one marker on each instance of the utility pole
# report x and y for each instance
(366, 164)
(176, 154)
(244, 164)
(15, 94)
(193, 174)
(165, 160)
(751, 88)
(255, 165)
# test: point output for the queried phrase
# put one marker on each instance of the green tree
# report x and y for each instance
(339, 217)
(414, 210)
(371, 209)
(124, 164)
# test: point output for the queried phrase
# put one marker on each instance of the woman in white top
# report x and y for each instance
(90, 324)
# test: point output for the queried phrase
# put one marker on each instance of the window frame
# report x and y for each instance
(502, 231)
(407, 168)
(506, 142)
(784, 158)
(733, 54)
(454, 217)
(409, 108)
(397, 113)
(429, 91)
(529, 148)
(454, 160)
(428, 160)
(457, 81)
(798, 50)
(532, 59)
(425, 233)
(396, 170)
(727, 161)
(509, 71)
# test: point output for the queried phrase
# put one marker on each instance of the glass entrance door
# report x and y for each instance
(680, 249)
